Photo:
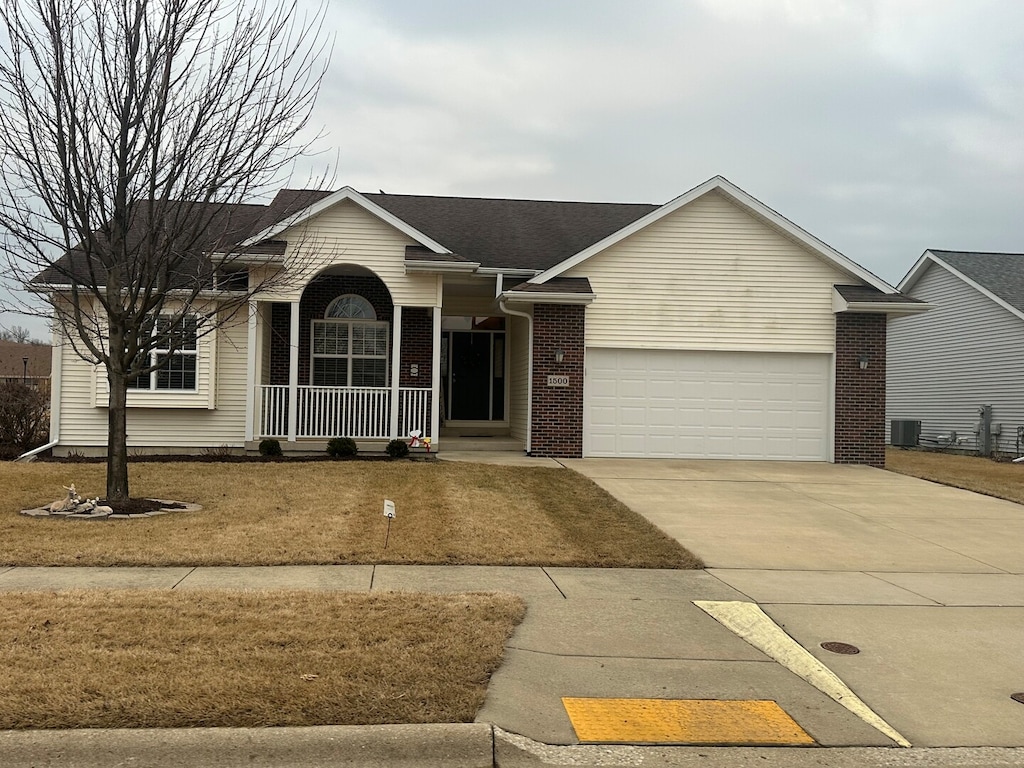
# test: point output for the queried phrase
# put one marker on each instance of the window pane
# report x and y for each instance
(142, 381)
(369, 372)
(352, 306)
(139, 382)
(330, 372)
(380, 341)
(182, 337)
(180, 372)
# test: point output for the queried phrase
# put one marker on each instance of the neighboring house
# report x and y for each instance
(966, 353)
(28, 363)
(710, 326)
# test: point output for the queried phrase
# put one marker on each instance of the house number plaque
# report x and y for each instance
(558, 381)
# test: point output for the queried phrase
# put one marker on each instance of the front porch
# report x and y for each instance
(343, 359)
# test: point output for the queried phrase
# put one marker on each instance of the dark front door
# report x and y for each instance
(470, 376)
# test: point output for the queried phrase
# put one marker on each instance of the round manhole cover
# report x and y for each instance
(843, 648)
(1018, 697)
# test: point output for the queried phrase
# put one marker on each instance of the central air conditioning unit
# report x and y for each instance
(905, 433)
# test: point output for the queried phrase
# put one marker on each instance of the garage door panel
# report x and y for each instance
(707, 404)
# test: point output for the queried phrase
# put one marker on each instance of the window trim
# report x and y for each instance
(350, 356)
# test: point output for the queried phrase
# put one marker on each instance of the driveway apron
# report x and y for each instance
(926, 581)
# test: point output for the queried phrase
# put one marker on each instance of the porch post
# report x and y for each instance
(435, 378)
(252, 355)
(293, 372)
(396, 367)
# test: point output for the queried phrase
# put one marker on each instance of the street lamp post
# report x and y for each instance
(24, 370)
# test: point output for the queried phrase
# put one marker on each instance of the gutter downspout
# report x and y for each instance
(56, 361)
(529, 372)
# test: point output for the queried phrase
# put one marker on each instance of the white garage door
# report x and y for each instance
(728, 405)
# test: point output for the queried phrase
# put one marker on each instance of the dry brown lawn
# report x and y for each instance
(973, 473)
(198, 659)
(332, 512)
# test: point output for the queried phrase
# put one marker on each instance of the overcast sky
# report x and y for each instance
(883, 128)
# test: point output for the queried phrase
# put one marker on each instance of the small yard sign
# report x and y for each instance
(389, 509)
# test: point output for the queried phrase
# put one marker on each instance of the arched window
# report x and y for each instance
(349, 346)
(350, 307)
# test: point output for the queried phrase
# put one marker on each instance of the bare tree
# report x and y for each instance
(18, 335)
(131, 134)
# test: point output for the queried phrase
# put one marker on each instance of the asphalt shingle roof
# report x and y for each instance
(865, 293)
(515, 234)
(1000, 273)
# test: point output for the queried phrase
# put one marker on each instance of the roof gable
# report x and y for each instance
(307, 205)
(746, 202)
(999, 276)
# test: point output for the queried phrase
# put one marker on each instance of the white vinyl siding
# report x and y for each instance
(518, 380)
(710, 276)
(943, 365)
(187, 425)
(715, 405)
(348, 234)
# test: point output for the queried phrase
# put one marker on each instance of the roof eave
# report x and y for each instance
(888, 307)
(895, 308)
(536, 297)
(443, 267)
(253, 259)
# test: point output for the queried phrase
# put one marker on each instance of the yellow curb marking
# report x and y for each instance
(682, 721)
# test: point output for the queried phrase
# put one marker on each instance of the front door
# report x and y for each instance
(473, 373)
(470, 373)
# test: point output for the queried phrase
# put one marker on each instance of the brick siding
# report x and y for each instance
(557, 424)
(860, 393)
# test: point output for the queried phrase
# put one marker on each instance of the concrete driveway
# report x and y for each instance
(927, 581)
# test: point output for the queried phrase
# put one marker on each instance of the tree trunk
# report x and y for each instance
(117, 438)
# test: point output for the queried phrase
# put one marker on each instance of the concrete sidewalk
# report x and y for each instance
(615, 633)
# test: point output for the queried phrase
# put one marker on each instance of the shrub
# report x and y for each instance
(270, 447)
(341, 446)
(24, 412)
(397, 449)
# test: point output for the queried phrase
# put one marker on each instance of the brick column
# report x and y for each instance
(860, 393)
(557, 418)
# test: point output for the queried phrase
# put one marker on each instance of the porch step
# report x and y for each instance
(497, 443)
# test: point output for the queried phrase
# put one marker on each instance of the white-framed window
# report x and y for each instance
(181, 353)
(349, 346)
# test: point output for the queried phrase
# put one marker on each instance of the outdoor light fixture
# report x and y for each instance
(559, 355)
(24, 370)
(864, 359)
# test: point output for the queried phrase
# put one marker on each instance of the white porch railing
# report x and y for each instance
(357, 412)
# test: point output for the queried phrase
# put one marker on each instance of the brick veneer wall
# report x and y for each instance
(860, 393)
(557, 420)
(417, 346)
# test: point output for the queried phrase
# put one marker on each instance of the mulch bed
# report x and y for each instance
(229, 459)
(140, 506)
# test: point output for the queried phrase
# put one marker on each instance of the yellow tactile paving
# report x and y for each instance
(683, 721)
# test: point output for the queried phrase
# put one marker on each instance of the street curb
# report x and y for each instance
(455, 745)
